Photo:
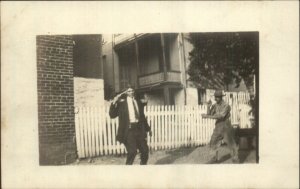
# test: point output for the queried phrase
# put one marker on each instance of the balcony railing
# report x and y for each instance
(174, 76)
(159, 77)
(123, 37)
(127, 37)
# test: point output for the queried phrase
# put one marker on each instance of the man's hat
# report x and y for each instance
(219, 93)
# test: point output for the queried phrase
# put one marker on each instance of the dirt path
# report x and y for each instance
(194, 155)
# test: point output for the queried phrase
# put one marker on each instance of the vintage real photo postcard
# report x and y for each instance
(136, 95)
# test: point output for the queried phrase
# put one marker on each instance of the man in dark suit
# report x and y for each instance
(133, 126)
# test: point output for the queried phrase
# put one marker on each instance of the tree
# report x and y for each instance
(223, 58)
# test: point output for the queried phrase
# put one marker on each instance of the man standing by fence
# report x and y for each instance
(223, 129)
(133, 126)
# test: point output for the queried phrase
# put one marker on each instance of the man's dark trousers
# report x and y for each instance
(136, 140)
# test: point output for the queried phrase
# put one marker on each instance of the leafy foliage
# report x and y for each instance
(223, 58)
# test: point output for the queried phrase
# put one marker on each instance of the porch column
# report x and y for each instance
(115, 66)
(182, 61)
(162, 39)
(167, 95)
(137, 62)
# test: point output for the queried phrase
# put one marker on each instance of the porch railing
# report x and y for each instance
(159, 77)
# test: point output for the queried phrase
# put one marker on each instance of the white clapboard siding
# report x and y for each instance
(172, 127)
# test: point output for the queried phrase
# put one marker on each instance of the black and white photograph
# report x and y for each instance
(158, 94)
(148, 98)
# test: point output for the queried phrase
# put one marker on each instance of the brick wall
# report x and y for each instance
(55, 99)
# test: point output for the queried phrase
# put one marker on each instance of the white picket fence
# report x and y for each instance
(172, 127)
(96, 132)
(177, 126)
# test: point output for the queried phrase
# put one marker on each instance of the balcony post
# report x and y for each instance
(167, 95)
(164, 56)
(137, 61)
(183, 65)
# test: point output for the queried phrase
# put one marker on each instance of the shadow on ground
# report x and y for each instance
(226, 158)
(243, 154)
(173, 155)
(190, 155)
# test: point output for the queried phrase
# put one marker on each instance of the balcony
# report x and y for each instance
(127, 38)
(172, 76)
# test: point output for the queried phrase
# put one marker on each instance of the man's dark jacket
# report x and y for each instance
(120, 109)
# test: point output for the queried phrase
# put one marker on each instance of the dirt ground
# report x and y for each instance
(193, 155)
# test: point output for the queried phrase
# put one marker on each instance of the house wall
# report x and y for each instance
(174, 52)
(179, 97)
(155, 97)
(128, 67)
(56, 123)
(187, 49)
(111, 64)
(133, 80)
(191, 96)
(116, 71)
(107, 53)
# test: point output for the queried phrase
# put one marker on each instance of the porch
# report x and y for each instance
(146, 61)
